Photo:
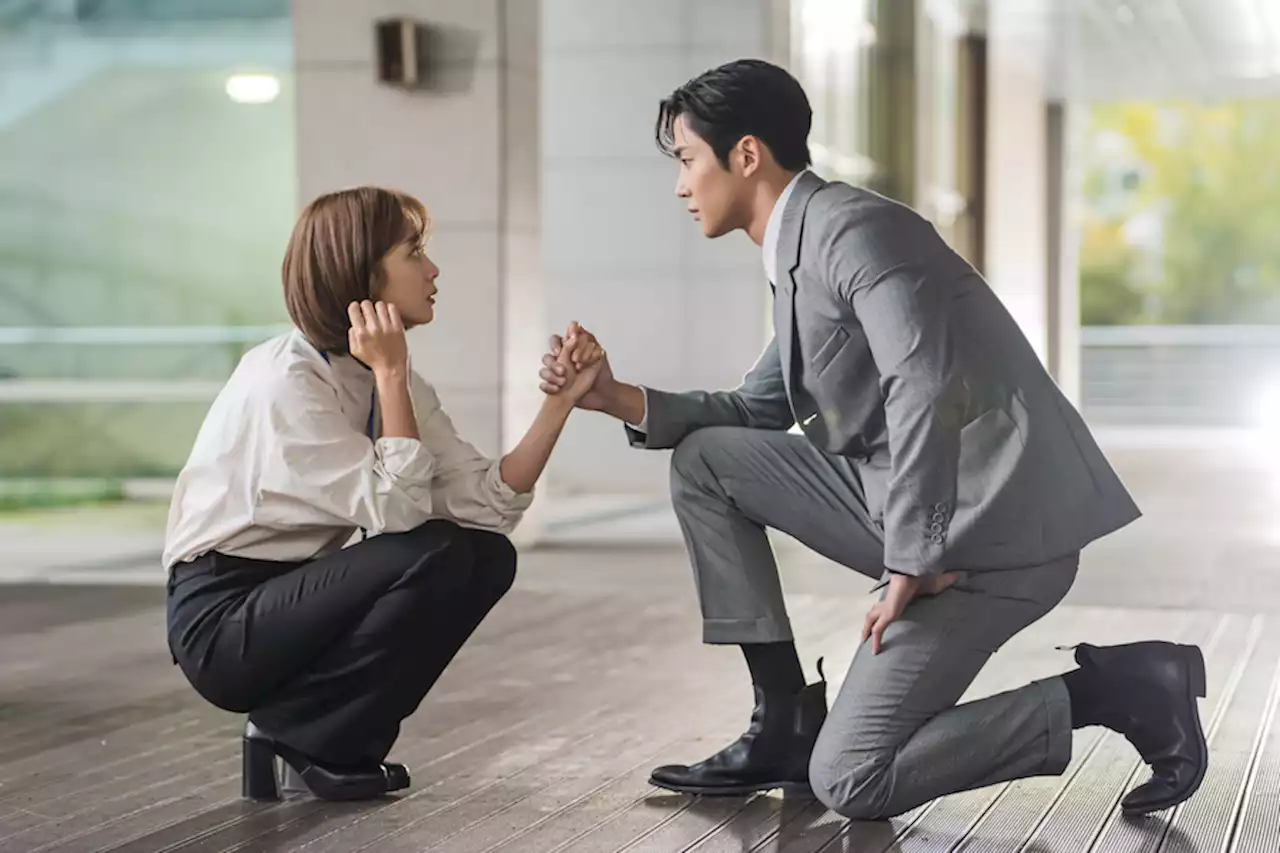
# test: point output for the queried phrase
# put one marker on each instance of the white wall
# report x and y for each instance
(674, 310)
(450, 149)
(469, 151)
(550, 201)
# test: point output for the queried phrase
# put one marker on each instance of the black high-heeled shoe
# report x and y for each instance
(259, 780)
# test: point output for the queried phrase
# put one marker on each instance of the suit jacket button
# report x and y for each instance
(937, 516)
(936, 538)
(935, 528)
(940, 507)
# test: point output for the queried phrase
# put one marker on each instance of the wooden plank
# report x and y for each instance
(1257, 825)
(540, 737)
(1232, 734)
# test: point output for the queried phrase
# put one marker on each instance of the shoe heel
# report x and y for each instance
(258, 771)
(1195, 670)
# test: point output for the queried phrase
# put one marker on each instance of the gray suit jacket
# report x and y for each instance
(890, 349)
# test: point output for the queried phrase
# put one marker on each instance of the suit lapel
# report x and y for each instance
(788, 259)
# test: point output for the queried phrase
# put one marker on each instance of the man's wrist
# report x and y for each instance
(604, 397)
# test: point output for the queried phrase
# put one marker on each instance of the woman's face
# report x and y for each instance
(409, 283)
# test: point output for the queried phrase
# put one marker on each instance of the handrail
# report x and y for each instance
(136, 335)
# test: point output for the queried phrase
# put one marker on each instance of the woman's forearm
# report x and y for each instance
(395, 404)
(521, 468)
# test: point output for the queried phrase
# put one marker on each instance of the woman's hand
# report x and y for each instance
(554, 372)
(581, 359)
(376, 337)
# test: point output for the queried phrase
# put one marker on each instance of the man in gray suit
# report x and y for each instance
(937, 456)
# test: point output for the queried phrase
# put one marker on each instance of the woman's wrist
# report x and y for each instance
(385, 375)
(558, 404)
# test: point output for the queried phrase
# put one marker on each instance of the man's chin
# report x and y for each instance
(712, 230)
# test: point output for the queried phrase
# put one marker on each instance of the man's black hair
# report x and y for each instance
(748, 97)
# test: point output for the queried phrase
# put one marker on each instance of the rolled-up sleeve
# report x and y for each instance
(314, 469)
(467, 486)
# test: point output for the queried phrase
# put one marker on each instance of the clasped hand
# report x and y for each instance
(578, 366)
(573, 366)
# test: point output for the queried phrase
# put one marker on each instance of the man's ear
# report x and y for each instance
(748, 151)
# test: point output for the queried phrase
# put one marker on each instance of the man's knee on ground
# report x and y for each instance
(853, 788)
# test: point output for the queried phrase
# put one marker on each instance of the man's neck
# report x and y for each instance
(767, 193)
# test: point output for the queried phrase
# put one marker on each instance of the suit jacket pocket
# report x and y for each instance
(829, 350)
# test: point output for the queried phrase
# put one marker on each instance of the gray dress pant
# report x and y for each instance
(894, 738)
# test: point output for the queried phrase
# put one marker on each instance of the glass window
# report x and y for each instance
(147, 188)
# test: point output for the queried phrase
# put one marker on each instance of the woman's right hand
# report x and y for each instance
(376, 337)
(581, 360)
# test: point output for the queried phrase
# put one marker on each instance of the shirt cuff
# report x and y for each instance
(405, 459)
(643, 426)
(507, 498)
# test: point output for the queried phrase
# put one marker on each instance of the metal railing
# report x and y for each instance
(1130, 375)
(82, 389)
(1193, 376)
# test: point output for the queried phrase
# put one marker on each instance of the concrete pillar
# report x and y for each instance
(674, 309)
(1015, 251)
(1062, 227)
(468, 148)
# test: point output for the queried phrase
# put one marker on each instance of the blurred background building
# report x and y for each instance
(1110, 166)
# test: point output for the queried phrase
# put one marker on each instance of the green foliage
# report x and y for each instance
(1210, 176)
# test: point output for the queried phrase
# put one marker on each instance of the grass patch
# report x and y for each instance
(28, 494)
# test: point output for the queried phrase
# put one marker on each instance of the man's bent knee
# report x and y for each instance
(856, 789)
(696, 460)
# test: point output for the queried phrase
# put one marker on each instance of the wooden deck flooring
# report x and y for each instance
(540, 737)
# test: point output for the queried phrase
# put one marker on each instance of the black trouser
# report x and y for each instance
(328, 656)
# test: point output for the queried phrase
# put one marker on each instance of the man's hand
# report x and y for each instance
(901, 591)
(580, 360)
(555, 374)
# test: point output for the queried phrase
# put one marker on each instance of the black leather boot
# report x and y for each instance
(259, 780)
(773, 753)
(1147, 692)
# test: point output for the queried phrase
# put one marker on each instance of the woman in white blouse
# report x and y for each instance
(318, 434)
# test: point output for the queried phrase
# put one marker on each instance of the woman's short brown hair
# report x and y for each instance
(335, 253)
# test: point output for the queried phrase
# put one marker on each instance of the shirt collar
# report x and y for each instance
(772, 229)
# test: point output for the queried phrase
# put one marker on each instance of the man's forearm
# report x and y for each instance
(624, 402)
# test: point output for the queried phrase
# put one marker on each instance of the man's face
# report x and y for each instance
(710, 190)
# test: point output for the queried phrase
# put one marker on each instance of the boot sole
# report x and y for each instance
(1197, 684)
(790, 788)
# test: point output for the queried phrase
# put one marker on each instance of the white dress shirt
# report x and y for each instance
(769, 254)
(284, 467)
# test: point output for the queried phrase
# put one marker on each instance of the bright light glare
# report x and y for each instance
(253, 88)
(834, 27)
(1267, 408)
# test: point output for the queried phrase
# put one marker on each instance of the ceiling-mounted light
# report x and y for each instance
(253, 88)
